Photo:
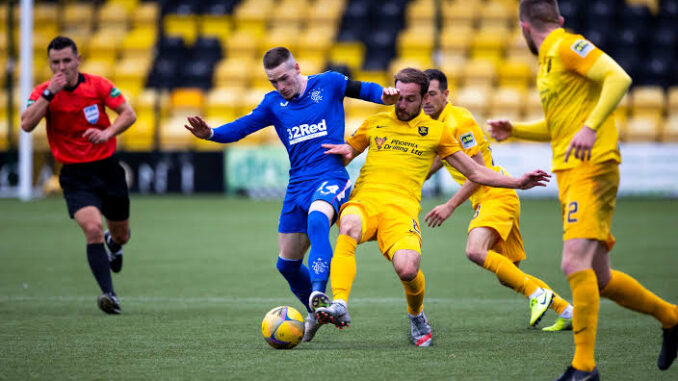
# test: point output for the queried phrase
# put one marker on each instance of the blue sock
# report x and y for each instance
(318, 231)
(98, 263)
(296, 274)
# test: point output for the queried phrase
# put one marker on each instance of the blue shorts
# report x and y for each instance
(298, 199)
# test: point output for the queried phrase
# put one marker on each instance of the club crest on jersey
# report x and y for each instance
(582, 47)
(423, 130)
(467, 140)
(91, 113)
(317, 95)
(379, 141)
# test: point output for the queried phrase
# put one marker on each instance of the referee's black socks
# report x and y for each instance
(98, 263)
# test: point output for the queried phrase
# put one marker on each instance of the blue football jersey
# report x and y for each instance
(302, 124)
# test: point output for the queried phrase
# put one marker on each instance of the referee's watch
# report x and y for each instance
(47, 94)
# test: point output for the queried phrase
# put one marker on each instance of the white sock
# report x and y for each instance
(537, 293)
(340, 301)
(567, 312)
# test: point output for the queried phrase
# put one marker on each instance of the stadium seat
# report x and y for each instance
(349, 53)
(252, 16)
(113, 15)
(401, 63)
(377, 76)
(498, 13)
(647, 101)
(218, 26)
(235, 72)
(138, 43)
(289, 13)
(506, 103)
(140, 136)
(244, 45)
(453, 68)
(420, 13)
(221, 104)
(97, 67)
(105, 44)
(533, 109)
(475, 99)
(479, 73)
(644, 128)
(78, 15)
(184, 26)
(489, 44)
(670, 133)
(515, 73)
(130, 74)
(416, 43)
(460, 13)
(145, 16)
(455, 42)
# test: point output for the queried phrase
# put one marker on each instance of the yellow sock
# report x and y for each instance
(509, 274)
(586, 300)
(343, 267)
(414, 293)
(559, 304)
(627, 292)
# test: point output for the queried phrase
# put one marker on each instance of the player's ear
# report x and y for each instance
(446, 93)
(561, 20)
(296, 68)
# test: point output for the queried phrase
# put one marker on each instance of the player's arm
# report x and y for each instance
(354, 146)
(435, 167)
(614, 83)
(442, 212)
(371, 92)
(485, 176)
(502, 129)
(126, 117)
(233, 131)
(39, 102)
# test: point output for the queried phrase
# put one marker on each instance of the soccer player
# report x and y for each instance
(385, 203)
(494, 239)
(82, 138)
(580, 86)
(306, 111)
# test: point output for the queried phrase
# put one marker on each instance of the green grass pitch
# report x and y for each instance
(199, 275)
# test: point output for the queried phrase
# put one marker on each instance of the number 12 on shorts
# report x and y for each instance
(572, 209)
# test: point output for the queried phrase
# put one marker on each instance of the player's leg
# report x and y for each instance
(629, 293)
(406, 264)
(115, 208)
(117, 235)
(577, 264)
(290, 264)
(90, 221)
(343, 267)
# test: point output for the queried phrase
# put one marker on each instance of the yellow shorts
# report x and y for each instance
(588, 194)
(502, 214)
(393, 227)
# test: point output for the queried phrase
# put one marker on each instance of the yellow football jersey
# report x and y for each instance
(568, 97)
(400, 156)
(472, 140)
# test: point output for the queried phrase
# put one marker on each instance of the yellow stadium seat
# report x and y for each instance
(533, 109)
(460, 13)
(416, 43)
(479, 73)
(356, 108)
(105, 44)
(287, 36)
(253, 16)
(221, 104)
(351, 54)
(77, 15)
(515, 73)
(138, 43)
(475, 99)
(141, 135)
(236, 72)
(644, 128)
(326, 12)
(311, 66)
(130, 5)
(453, 68)
(219, 26)
(145, 15)
(670, 133)
(316, 42)
(243, 45)
(647, 101)
(488, 44)
(289, 12)
(130, 74)
(621, 116)
(498, 13)
(97, 67)
(181, 25)
(456, 41)
(185, 101)
(401, 63)
(251, 99)
(653, 5)
(420, 12)
(173, 136)
(113, 15)
(377, 76)
(672, 100)
(45, 13)
(506, 103)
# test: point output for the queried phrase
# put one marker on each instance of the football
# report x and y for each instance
(283, 327)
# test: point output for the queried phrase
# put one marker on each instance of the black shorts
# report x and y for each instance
(99, 183)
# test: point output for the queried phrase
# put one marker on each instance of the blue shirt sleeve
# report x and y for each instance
(371, 92)
(241, 127)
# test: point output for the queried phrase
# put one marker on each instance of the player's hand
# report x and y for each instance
(582, 143)
(57, 83)
(438, 215)
(345, 150)
(536, 178)
(97, 136)
(199, 127)
(390, 95)
(500, 129)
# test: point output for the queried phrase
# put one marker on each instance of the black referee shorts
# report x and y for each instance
(99, 183)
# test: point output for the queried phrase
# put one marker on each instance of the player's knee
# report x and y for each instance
(120, 237)
(94, 230)
(476, 256)
(287, 266)
(407, 272)
(351, 226)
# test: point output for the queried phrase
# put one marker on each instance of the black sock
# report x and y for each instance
(98, 263)
(112, 245)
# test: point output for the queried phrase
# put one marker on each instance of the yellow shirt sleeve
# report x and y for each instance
(359, 140)
(466, 133)
(537, 130)
(448, 144)
(615, 83)
(578, 54)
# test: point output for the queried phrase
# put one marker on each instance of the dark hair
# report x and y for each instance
(412, 75)
(439, 76)
(276, 56)
(540, 13)
(62, 42)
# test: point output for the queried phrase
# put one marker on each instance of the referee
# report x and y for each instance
(82, 138)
